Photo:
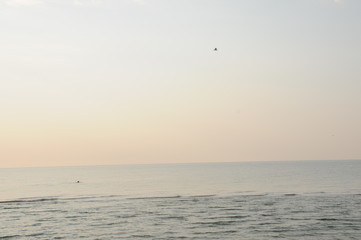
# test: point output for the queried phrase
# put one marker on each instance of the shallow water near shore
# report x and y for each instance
(261, 200)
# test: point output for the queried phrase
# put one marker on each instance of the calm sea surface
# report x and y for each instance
(260, 201)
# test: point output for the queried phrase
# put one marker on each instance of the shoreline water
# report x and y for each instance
(297, 201)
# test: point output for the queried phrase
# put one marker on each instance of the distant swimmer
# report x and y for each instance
(215, 49)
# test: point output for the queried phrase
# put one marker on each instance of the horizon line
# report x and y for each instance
(180, 163)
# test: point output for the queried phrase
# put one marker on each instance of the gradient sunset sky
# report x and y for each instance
(91, 82)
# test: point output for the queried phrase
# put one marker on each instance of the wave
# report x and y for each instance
(328, 219)
(203, 196)
(253, 195)
(290, 194)
(58, 198)
(29, 200)
(17, 236)
(163, 197)
(217, 223)
(9, 236)
(93, 197)
(235, 197)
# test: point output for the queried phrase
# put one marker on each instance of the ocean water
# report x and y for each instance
(262, 200)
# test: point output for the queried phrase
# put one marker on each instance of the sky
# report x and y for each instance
(97, 82)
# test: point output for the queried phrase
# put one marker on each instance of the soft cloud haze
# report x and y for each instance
(21, 2)
(112, 82)
(25, 3)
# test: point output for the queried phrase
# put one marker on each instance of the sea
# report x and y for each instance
(299, 200)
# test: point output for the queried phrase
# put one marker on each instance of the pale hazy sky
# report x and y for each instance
(86, 82)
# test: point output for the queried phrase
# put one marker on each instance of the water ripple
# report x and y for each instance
(211, 217)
